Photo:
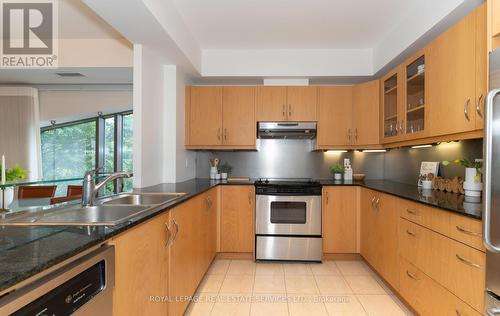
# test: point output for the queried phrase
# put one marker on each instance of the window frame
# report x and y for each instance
(100, 140)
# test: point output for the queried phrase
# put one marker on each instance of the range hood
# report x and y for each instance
(286, 130)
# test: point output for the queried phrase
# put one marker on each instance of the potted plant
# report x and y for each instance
(338, 171)
(473, 171)
(11, 175)
(225, 169)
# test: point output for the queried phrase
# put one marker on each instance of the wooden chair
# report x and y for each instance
(36, 191)
(56, 200)
(74, 190)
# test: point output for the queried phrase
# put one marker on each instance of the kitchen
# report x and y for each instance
(279, 168)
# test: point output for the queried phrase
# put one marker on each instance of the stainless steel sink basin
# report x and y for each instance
(110, 211)
(101, 215)
(141, 198)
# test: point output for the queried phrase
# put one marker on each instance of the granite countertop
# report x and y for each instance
(456, 203)
(26, 251)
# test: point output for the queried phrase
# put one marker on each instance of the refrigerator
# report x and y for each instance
(491, 196)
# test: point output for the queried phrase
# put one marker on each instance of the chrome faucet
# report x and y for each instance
(90, 189)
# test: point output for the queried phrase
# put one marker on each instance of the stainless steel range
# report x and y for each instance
(288, 220)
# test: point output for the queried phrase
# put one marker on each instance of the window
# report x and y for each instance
(69, 150)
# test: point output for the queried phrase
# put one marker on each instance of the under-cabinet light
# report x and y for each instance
(374, 151)
(422, 146)
(338, 151)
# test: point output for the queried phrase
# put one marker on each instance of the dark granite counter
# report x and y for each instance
(26, 251)
(457, 203)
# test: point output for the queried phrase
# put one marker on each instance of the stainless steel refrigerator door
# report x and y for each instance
(491, 196)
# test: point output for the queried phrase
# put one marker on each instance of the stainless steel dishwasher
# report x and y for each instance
(82, 287)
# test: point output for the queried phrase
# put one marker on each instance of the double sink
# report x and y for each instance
(109, 211)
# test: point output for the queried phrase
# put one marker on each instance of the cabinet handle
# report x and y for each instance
(327, 198)
(209, 202)
(250, 193)
(467, 262)
(411, 275)
(377, 203)
(410, 211)
(458, 312)
(289, 111)
(411, 233)
(218, 134)
(468, 232)
(225, 134)
(169, 234)
(356, 134)
(373, 202)
(478, 105)
(349, 135)
(284, 111)
(466, 109)
(176, 230)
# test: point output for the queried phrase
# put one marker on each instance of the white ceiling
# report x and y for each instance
(77, 20)
(292, 24)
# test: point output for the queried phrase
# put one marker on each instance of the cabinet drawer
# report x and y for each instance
(457, 267)
(461, 228)
(427, 297)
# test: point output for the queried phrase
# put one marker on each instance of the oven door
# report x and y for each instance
(288, 215)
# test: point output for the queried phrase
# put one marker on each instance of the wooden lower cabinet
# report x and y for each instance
(340, 219)
(426, 296)
(192, 248)
(141, 269)
(379, 234)
(237, 218)
(457, 267)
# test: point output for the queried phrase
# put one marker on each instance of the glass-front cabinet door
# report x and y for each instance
(415, 100)
(391, 99)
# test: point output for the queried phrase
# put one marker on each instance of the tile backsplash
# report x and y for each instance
(294, 159)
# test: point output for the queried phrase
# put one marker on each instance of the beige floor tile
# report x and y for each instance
(344, 305)
(231, 309)
(219, 266)
(269, 269)
(202, 307)
(356, 267)
(269, 304)
(332, 284)
(301, 284)
(241, 267)
(269, 284)
(364, 284)
(237, 284)
(306, 305)
(211, 283)
(294, 269)
(325, 268)
(380, 305)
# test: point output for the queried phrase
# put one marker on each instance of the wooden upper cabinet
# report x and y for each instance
(365, 109)
(451, 73)
(271, 104)
(481, 64)
(237, 218)
(302, 103)
(205, 116)
(391, 91)
(238, 116)
(340, 219)
(335, 116)
(495, 18)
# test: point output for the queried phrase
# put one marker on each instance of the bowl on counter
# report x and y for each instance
(358, 176)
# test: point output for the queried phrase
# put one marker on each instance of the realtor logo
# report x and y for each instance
(28, 34)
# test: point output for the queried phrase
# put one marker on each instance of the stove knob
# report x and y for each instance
(267, 181)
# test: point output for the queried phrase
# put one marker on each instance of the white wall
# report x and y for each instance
(159, 154)
(65, 104)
